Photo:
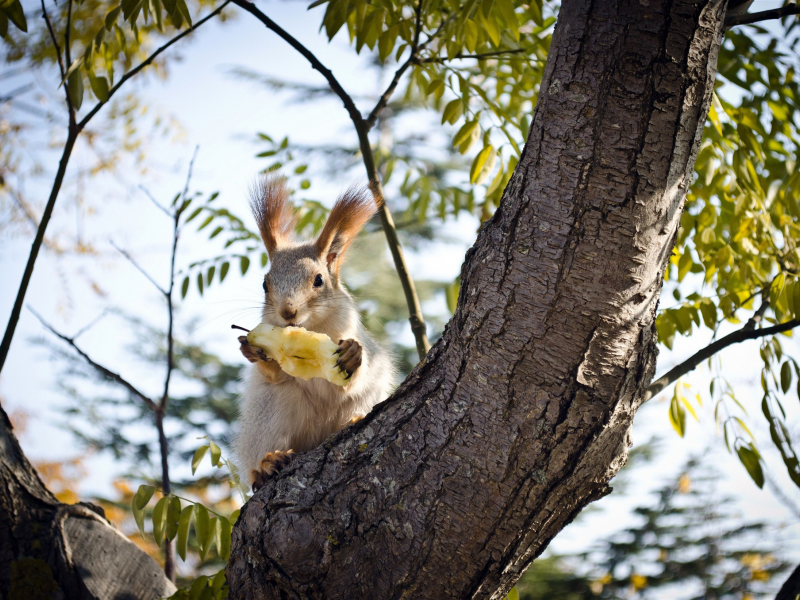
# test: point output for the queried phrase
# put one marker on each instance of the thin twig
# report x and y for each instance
(693, 361)
(108, 373)
(91, 324)
(764, 15)
(369, 122)
(149, 60)
(154, 201)
(138, 267)
(53, 38)
(484, 55)
(316, 64)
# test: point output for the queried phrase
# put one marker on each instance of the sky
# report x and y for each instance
(219, 114)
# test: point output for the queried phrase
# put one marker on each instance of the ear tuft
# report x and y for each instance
(269, 201)
(350, 213)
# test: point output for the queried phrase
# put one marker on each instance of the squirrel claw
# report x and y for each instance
(269, 466)
(349, 357)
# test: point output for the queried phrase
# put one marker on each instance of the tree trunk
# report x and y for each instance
(520, 414)
(54, 551)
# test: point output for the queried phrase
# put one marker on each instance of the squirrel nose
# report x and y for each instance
(288, 311)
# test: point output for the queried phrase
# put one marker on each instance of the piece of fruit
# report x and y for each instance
(299, 352)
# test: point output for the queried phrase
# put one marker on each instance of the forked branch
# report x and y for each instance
(105, 371)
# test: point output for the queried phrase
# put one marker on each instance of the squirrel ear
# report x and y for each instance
(350, 213)
(269, 201)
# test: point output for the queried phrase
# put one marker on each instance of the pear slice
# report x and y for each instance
(299, 352)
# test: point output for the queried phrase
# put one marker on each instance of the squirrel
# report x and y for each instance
(281, 414)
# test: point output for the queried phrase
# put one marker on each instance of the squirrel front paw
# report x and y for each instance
(349, 356)
(270, 464)
(251, 353)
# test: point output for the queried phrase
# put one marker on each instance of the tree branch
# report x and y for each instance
(415, 48)
(693, 361)
(764, 15)
(138, 268)
(482, 56)
(316, 64)
(108, 373)
(149, 60)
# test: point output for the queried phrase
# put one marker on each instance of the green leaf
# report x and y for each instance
(786, 377)
(160, 520)
(749, 458)
(194, 213)
(198, 457)
(201, 525)
(216, 453)
(184, 11)
(75, 88)
(200, 283)
(210, 275)
(3, 24)
(183, 530)
(467, 130)
(451, 294)
(244, 264)
(477, 164)
(223, 271)
(218, 581)
(386, 42)
(483, 165)
(143, 495)
(199, 586)
(212, 536)
(112, 17)
(184, 287)
(513, 594)
(99, 87)
(224, 538)
(13, 10)
(173, 517)
(677, 415)
(452, 112)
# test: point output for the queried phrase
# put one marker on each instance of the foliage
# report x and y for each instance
(687, 544)
(191, 526)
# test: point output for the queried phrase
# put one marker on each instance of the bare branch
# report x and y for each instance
(154, 201)
(108, 373)
(149, 60)
(693, 361)
(764, 15)
(138, 267)
(482, 56)
(54, 40)
(316, 64)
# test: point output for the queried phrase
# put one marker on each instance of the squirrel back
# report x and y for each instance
(303, 288)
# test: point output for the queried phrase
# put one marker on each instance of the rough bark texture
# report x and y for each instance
(520, 414)
(95, 563)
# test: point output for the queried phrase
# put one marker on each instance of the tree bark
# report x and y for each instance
(54, 551)
(520, 414)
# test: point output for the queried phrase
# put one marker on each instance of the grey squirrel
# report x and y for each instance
(281, 414)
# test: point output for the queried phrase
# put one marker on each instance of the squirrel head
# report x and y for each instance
(302, 287)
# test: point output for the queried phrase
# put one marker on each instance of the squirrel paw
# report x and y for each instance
(251, 353)
(270, 464)
(349, 356)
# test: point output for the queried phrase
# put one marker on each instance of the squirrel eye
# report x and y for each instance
(264, 285)
(318, 281)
